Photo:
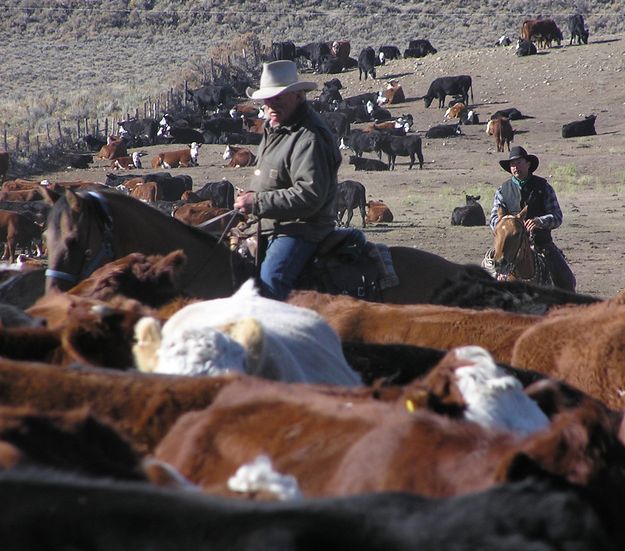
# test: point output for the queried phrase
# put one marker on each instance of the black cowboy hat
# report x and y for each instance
(517, 152)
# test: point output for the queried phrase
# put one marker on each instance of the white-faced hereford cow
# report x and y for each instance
(178, 158)
(238, 156)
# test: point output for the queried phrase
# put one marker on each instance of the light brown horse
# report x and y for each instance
(514, 257)
(88, 229)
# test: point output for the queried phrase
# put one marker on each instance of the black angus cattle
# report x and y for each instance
(366, 63)
(360, 99)
(525, 47)
(444, 86)
(330, 65)
(177, 134)
(283, 50)
(359, 142)
(313, 52)
(577, 29)
(217, 125)
(172, 187)
(378, 113)
(333, 83)
(139, 132)
(210, 96)
(76, 160)
(221, 194)
(576, 129)
(402, 146)
(329, 94)
(444, 131)
(512, 113)
(420, 48)
(46, 510)
(470, 214)
(367, 164)
(350, 194)
(238, 138)
(390, 52)
(91, 143)
(337, 122)
(354, 114)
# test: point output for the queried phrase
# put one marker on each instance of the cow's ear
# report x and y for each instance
(477, 197)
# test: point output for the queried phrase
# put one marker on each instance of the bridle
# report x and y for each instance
(512, 264)
(105, 252)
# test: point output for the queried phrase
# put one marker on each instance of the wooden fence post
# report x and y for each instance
(58, 127)
(48, 134)
(6, 142)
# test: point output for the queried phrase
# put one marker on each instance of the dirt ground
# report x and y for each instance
(557, 86)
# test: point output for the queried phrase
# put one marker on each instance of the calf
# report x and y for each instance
(367, 164)
(350, 195)
(421, 47)
(359, 142)
(147, 192)
(404, 146)
(502, 130)
(584, 127)
(577, 29)
(377, 211)
(525, 47)
(390, 52)
(470, 214)
(18, 230)
(503, 40)
(444, 131)
(178, 158)
(115, 148)
(366, 63)
(511, 113)
(124, 163)
(239, 156)
(444, 86)
(393, 94)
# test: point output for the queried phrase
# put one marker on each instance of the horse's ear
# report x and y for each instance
(501, 212)
(72, 200)
(523, 213)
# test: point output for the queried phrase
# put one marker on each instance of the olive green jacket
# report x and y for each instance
(296, 177)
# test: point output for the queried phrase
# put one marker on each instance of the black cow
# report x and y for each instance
(217, 125)
(420, 48)
(330, 65)
(76, 160)
(238, 138)
(511, 113)
(313, 52)
(91, 142)
(210, 96)
(333, 83)
(471, 214)
(329, 94)
(378, 113)
(367, 164)
(444, 131)
(172, 186)
(177, 134)
(575, 129)
(221, 194)
(350, 195)
(525, 47)
(283, 50)
(337, 122)
(357, 113)
(366, 63)
(360, 99)
(443, 86)
(402, 146)
(577, 29)
(390, 52)
(139, 132)
(359, 142)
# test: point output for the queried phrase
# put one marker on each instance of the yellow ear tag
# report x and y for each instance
(410, 406)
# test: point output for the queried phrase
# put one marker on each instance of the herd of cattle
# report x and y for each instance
(407, 428)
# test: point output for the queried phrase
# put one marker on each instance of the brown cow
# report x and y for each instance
(178, 158)
(19, 184)
(377, 211)
(146, 191)
(197, 213)
(502, 130)
(123, 163)
(254, 125)
(393, 93)
(543, 31)
(115, 148)
(341, 50)
(345, 444)
(420, 324)
(17, 230)
(239, 156)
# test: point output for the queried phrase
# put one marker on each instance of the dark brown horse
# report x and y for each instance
(88, 229)
(514, 257)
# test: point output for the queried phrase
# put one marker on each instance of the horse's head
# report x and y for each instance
(76, 239)
(511, 238)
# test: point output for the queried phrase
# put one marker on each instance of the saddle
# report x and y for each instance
(347, 264)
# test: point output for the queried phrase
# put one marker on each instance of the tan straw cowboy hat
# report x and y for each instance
(517, 152)
(279, 77)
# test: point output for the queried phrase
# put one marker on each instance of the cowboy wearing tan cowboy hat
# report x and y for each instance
(294, 185)
(543, 213)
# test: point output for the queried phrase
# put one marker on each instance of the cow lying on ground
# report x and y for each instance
(124, 163)
(245, 333)
(349, 196)
(576, 129)
(377, 211)
(238, 156)
(443, 131)
(470, 214)
(367, 164)
(179, 158)
(525, 47)
(114, 148)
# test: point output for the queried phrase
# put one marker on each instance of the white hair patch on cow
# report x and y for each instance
(495, 399)
(136, 159)
(259, 475)
(227, 153)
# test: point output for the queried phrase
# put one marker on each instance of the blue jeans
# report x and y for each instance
(561, 273)
(284, 261)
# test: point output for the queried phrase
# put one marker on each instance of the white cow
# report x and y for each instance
(244, 333)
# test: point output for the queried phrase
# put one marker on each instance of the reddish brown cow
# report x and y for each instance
(394, 93)
(146, 191)
(4, 165)
(239, 156)
(197, 213)
(178, 158)
(543, 31)
(17, 230)
(343, 443)
(254, 125)
(192, 197)
(502, 130)
(421, 325)
(377, 211)
(19, 184)
(115, 148)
